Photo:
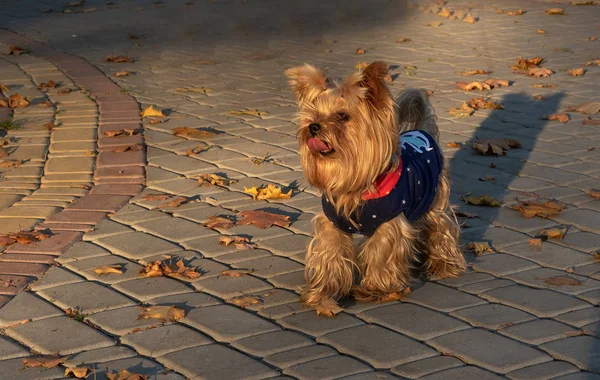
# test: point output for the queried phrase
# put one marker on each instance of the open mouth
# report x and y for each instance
(316, 145)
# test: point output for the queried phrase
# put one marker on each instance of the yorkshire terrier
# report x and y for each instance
(379, 166)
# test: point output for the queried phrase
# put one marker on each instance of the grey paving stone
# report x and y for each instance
(442, 298)
(226, 323)
(542, 302)
(580, 318)
(463, 373)
(584, 219)
(583, 351)
(202, 214)
(100, 355)
(592, 297)
(289, 358)
(333, 367)
(376, 345)
(137, 245)
(256, 234)
(162, 340)
(11, 350)
(209, 246)
(144, 289)
(498, 237)
(48, 336)
(501, 264)
(217, 362)
(293, 281)
(492, 316)
(237, 256)
(175, 229)
(427, 366)
(122, 321)
(579, 376)
(271, 343)
(538, 278)
(538, 331)
(480, 347)
(377, 375)
(583, 241)
(549, 370)
(77, 297)
(13, 369)
(186, 301)
(592, 329)
(466, 279)
(104, 228)
(484, 286)
(267, 267)
(55, 276)
(412, 320)
(139, 216)
(318, 325)
(81, 251)
(86, 268)
(141, 365)
(285, 310)
(551, 255)
(287, 245)
(26, 306)
(229, 287)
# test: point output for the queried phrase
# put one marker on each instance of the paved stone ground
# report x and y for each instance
(502, 319)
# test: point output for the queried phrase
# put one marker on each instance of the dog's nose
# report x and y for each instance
(314, 128)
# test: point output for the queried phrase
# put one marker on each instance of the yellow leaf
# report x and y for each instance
(470, 19)
(49, 361)
(445, 12)
(78, 372)
(328, 308)
(435, 24)
(395, 296)
(150, 111)
(484, 200)
(454, 145)
(577, 72)
(555, 11)
(541, 31)
(529, 209)
(473, 72)
(245, 301)
(361, 65)
(479, 247)
(122, 74)
(535, 242)
(249, 112)
(595, 193)
(108, 269)
(554, 233)
(360, 51)
(561, 117)
(269, 192)
(162, 313)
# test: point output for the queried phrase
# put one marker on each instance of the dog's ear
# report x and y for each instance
(306, 81)
(374, 80)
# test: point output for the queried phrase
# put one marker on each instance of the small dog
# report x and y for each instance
(379, 166)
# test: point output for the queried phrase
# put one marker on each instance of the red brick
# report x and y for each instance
(13, 284)
(116, 189)
(120, 106)
(22, 269)
(54, 245)
(76, 217)
(55, 227)
(98, 202)
(103, 128)
(112, 159)
(120, 173)
(124, 181)
(109, 143)
(26, 258)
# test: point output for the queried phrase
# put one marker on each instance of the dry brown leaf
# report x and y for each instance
(395, 296)
(360, 51)
(125, 375)
(483, 200)
(535, 242)
(245, 301)
(240, 242)
(235, 272)
(543, 85)
(529, 209)
(561, 117)
(539, 72)
(504, 144)
(175, 202)
(435, 24)
(249, 112)
(595, 193)
(590, 121)
(10, 163)
(470, 19)
(156, 197)
(122, 74)
(445, 12)
(121, 132)
(479, 247)
(109, 269)
(328, 308)
(487, 178)
(15, 50)
(577, 72)
(214, 180)
(44, 361)
(197, 150)
(127, 148)
(472, 85)
(488, 149)
(463, 111)
(593, 62)
(464, 214)
(201, 90)
(524, 64)
(49, 84)
(193, 133)
(453, 144)
(592, 38)
(586, 108)
(15, 101)
(403, 40)
(221, 222)
(4, 89)
(150, 111)
(483, 103)
(269, 192)
(561, 281)
(554, 233)
(263, 219)
(162, 313)
(518, 12)
(541, 31)
(473, 72)
(555, 11)
(78, 372)
(118, 59)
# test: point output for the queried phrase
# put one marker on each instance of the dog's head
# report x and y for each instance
(347, 129)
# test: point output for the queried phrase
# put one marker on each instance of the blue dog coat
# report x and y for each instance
(410, 189)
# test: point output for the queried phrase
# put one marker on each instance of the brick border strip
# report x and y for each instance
(118, 176)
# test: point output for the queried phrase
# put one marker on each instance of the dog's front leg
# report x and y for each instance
(329, 264)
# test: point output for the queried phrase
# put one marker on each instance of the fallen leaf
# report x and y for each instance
(454, 145)
(592, 38)
(127, 148)
(249, 112)
(541, 31)
(240, 242)
(535, 242)
(118, 59)
(214, 180)
(539, 72)
(44, 361)
(109, 269)
(435, 24)
(561, 281)
(197, 150)
(555, 11)
(360, 51)
(518, 12)
(15, 101)
(586, 108)
(201, 90)
(175, 202)
(10, 163)
(269, 192)
(245, 301)
(122, 74)
(543, 85)
(395, 296)
(220, 222)
(401, 40)
(463, 111)
(525, 63)
(472, 85)
(483, 200)
(469, 19)
(495, 146)
(49, 84)
(529, 209)
(464, 214)
(150, 111)
(487, 178)
(445, 12)
(479, 247)
(235, 272)
(483, 103)
(473, 72)
(595, 193)
(156, 197)
(162, 313)
(329, 308)
(554, 233)
(577, 72)
(193, 133)
(15, 50)
(50, 126)
(125, 375)
(590, 121)
(45, 104)
(593, 62)
(561, 117)
(263, 219)
(78, 372)
(121, 132)
(4, 89)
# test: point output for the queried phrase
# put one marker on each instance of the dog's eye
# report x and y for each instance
(343, 117)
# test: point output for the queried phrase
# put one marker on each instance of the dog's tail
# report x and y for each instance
(415, 112)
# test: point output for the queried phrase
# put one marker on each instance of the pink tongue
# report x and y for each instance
(316, 145)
